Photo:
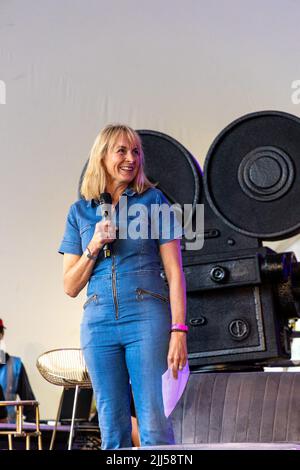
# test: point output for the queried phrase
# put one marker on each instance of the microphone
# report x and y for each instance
(105, 201)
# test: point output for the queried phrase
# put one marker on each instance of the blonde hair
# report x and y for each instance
(95, 177)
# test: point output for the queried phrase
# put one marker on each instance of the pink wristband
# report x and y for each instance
(179, 326)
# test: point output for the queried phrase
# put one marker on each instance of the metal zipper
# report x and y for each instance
(114, 287)
(89, 300)
(140, 291)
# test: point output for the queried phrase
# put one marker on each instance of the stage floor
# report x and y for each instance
(229, 446)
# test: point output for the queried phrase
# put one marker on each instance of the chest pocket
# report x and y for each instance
(139, 231)
(133, 234)
(138, 226)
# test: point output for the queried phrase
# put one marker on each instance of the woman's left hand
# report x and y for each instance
(177, 355)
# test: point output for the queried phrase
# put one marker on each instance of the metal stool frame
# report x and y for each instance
(64, 367)
(19, 431)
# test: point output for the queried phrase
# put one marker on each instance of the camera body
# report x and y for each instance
(241, 295)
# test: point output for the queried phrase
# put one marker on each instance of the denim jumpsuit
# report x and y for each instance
(125, 324)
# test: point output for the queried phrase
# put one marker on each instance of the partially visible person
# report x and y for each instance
(135, 434)
(14, 382)
(3, 410)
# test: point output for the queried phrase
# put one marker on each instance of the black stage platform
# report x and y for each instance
(87, 437)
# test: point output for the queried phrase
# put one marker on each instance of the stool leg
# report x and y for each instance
(37, 421)
(19, 419)
(56, 421)
(40, 447)
(10, 447)
(28, 442)
(73, 417)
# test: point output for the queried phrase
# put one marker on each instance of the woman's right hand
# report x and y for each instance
(105, 232)
(78, 269)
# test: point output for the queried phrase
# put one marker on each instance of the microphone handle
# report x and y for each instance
(106, 247)
(106, 250)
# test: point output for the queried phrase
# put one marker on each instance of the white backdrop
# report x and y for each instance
(186, 68)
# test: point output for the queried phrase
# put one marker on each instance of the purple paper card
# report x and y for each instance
(172, 388)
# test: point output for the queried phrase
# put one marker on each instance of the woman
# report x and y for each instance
(125, 331)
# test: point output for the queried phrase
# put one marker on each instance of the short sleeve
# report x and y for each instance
(167, 225)
(71, 242)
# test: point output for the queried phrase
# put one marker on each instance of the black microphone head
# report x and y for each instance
(105, 198)
(105, 203)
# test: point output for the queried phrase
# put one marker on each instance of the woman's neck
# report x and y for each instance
(116, 191)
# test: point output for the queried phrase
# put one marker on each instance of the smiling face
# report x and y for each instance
(122, 161)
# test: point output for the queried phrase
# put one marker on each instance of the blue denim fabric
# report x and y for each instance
(125, 325)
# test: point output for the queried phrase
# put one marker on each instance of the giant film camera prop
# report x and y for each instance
(241, 295)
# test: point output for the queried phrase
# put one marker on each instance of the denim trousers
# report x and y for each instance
(124, 338)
